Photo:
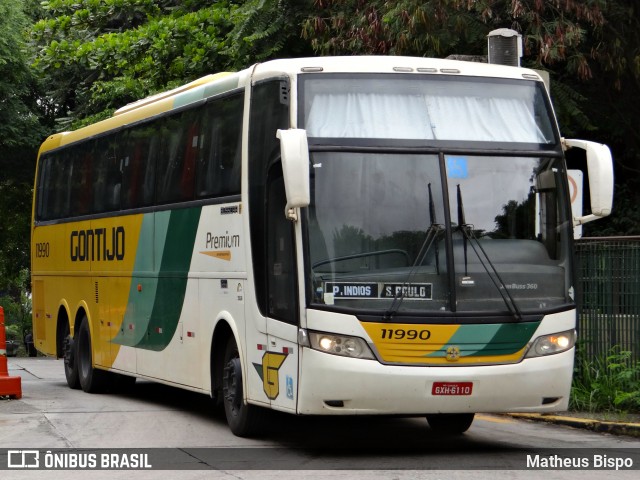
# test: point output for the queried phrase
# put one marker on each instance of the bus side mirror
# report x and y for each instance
(294, 152)
(600, 171)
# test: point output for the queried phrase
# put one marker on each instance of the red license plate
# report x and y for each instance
(452, 388)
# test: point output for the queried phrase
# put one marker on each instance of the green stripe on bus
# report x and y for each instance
(142, 292)
(491, 339)
(510, 338)
(155, 302)
(172, 278)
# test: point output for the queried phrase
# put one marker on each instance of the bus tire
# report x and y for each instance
(244, 420)
(450, 423)
(92, 380)
(69, 354)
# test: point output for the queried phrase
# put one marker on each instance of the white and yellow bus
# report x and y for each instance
(324, 236)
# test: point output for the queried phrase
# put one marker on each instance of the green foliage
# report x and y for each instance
(19, 124)
(98, 55)
(15, 205)
(20, 133)
(590, 49)
(608, 383)
(553, 31)
(266, 29)
(17, 310)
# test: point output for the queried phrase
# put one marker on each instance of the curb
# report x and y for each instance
(601, 426)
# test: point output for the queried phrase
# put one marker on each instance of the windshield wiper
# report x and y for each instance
(433, 232)
(469, 236)
(462, 224)
(434, 225)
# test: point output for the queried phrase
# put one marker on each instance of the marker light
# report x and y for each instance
(551, 344)
(342, 345)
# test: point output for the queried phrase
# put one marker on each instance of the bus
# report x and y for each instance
(320, 236)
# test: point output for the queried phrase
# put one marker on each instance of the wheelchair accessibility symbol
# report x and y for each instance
(289, 387)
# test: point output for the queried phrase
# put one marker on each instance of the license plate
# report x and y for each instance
(452, 388)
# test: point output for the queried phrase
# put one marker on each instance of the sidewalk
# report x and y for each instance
(628, 425)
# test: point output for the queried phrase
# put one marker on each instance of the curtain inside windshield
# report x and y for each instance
(427, 108)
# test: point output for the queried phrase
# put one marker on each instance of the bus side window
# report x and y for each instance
(176, 161)
(138, 163)
(191, 148)
(81, 181)
(45, 191)
(108, 176)
(219, 165)
(167, 160)
(60, 185)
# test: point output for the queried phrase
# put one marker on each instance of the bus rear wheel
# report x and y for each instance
(450, 423)
(70, 359)
(91, 379)
(244, 420)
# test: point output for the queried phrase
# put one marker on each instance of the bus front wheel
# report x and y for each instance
(450, 423)
(244, 420)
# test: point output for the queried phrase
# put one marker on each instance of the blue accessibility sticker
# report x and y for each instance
(457, 167)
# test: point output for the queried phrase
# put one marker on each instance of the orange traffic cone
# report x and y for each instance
(9, 386)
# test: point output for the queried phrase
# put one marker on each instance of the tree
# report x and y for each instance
(267, 29)
(591, 50)
(19, 125)
(98, 55)
(20, 133)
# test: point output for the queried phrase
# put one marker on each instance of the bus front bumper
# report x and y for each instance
(334, 385)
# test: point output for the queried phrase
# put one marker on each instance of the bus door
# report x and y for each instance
(280, 362)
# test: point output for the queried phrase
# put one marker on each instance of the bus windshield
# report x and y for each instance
(436, 231)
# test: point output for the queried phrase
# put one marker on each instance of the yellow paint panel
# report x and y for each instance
(471, 360)
(412, 344)
(409, 343)
(85, 264)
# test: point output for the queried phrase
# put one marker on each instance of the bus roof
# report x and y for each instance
(389, 64)
(225, 81)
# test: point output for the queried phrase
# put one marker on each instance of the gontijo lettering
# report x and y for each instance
(98, 244)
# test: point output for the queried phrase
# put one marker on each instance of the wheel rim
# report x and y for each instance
(232, 386)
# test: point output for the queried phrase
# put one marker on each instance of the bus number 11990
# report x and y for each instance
(401, 333)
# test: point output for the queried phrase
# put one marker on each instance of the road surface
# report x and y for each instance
(181, 431)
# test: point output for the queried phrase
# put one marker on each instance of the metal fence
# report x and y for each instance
(608, 295)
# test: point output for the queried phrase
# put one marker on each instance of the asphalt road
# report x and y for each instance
(182, 432)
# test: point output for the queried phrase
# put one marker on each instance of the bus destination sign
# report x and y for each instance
(351, 290)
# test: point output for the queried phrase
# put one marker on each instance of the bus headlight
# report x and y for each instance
(342, 345)
(550, 344)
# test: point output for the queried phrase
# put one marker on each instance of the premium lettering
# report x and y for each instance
(99, 244)
(222, 241)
